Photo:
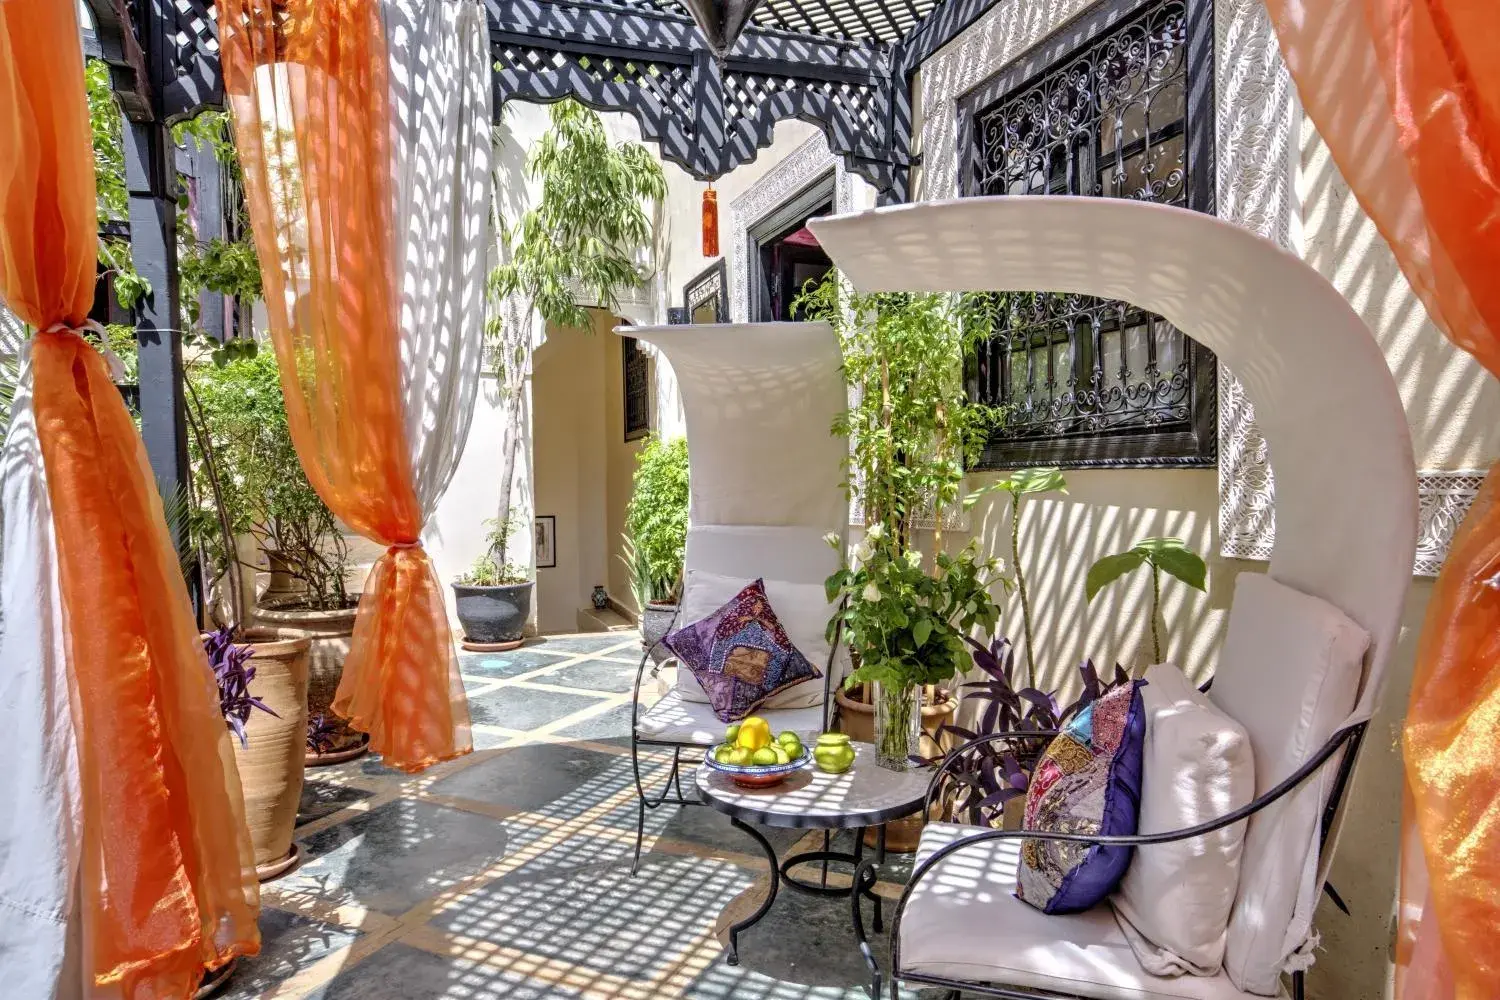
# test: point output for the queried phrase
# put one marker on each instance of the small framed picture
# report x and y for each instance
(545, 541)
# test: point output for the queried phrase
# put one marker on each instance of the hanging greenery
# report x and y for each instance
(581, 237)
(107, 129)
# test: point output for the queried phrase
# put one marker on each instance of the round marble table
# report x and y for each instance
(863, 796)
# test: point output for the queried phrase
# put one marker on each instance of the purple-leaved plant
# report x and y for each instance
(993, 773)
(233, 675)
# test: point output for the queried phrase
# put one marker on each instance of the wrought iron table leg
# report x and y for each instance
(734, 929)
(864, 870)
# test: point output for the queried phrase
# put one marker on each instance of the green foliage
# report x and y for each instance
(222, 266)
(1163, 555)
(239, 408)
(492, 569)
(588, 222)
(912, 433)
(656, 520)
(913, 429)
(120, 339)
(1021, 484)
(908, 625)
(107, 129)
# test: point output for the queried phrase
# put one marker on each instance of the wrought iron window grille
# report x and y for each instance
(1118, 105)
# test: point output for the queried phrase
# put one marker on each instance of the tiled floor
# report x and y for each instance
(506, 873)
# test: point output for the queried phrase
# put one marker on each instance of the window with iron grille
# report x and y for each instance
(1118, 105)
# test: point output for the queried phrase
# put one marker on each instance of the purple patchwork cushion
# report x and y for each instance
(1088, 781)
(740, 654)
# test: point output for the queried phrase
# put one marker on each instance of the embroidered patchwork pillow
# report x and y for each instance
(740, 655)
(1089, 782)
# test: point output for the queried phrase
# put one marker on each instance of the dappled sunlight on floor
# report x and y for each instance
(506, 873)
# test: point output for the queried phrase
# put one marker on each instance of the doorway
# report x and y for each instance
(785, 256)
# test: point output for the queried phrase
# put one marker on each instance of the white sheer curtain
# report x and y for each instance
(39, 785)
(441, 106)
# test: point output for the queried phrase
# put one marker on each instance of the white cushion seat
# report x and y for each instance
(964, 922)
(676, 720)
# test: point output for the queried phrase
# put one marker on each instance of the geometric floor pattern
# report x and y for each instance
(506, 873)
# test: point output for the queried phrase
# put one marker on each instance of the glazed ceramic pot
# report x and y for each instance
(656, 621)
(493, 615)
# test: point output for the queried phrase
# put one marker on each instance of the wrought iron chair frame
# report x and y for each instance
(1348, 738)
(673, 783)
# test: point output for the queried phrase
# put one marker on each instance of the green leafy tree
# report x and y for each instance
(581, 236)
(240, 426)
(656, 520)
(1162, 555)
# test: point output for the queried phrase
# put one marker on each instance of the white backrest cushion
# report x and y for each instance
(793, 561)
(1289, 672)
(1175, 899)
(802, 611)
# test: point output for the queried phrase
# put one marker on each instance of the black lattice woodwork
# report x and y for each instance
(843, 64)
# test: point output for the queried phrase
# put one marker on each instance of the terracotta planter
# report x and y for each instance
(329, 633)
(857, 718)
(281, 586)
(656, 620)
(271, 762)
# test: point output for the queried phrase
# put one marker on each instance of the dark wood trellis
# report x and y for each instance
(844, 65)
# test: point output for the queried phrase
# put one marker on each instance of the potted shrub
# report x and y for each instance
(242, 414)
(262, 685)
(493, 598)
(656, 522)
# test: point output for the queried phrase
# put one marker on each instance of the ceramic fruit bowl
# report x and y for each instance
(757, 775)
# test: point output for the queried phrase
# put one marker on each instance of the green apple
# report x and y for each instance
(765, 756)
(740, 757)
(732, 733)
(722, 753)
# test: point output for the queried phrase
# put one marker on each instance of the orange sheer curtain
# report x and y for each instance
(167, 875)
(1407, 95)
(307, 83)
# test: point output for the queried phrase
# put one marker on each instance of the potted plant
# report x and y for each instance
(986, 786)
(494, 597)
(656, 522)
(264, 703)
(242, 414)
(912, 430)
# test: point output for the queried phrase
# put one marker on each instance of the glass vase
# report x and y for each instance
(898, 725)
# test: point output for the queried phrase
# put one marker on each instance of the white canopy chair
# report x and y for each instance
(1346, 521)
(766, 475)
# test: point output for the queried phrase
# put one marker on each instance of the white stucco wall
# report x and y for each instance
(455, 535)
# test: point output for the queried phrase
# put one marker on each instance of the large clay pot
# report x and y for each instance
(857, 718)
(281, 586)
(493, 616)
(656, 621)
(329, 632)
(271, 762)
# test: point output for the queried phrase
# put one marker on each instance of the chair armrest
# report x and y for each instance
(1290, 783)
(959, 752)
(640, 671)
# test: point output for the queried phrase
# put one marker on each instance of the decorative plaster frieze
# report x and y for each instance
(802, 167)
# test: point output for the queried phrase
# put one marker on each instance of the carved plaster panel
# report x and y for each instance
(802, 167)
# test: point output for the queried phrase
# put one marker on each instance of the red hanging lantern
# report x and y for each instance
(710, 222)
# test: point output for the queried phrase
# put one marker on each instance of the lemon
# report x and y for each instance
(754, 733)
(740, 757)
(732, 732)
(765, 755)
